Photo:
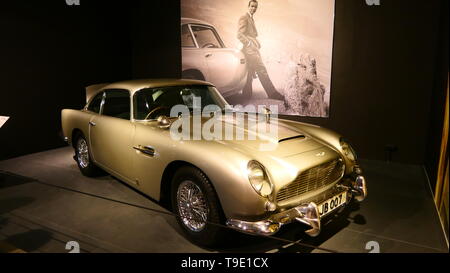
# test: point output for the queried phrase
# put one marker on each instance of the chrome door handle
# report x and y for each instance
(208, 55)
(92, 123)
(148, 150)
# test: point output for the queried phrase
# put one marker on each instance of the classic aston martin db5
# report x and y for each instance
(125, 129)
(205, 57)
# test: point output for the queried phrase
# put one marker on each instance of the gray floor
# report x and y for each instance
(45, 202)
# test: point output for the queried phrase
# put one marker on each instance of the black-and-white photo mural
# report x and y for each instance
(262, 52)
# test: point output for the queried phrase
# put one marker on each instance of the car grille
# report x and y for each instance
(312, 179)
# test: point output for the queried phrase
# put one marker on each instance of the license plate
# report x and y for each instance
(332, 203)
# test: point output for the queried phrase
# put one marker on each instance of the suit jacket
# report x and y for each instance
(247, 33)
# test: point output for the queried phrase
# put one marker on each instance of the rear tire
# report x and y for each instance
(195, 201)
(83, 157)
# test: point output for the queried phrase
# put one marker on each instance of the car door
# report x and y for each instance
(226, 66)
(111, 133)
(193, 58)
(152, 144)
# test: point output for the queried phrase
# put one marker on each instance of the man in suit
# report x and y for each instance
(247, 34)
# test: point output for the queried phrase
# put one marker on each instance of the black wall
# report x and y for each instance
(440, 82)
(385, 65)
(49, 52)
(156, 39)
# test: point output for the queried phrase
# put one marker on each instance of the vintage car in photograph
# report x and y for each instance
(124, 129)
(205, 57)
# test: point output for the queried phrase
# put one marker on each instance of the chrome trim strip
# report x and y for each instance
(102, 103)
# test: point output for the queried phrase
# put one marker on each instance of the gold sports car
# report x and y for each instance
(125, 129)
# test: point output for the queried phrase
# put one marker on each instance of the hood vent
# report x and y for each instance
(290, 138)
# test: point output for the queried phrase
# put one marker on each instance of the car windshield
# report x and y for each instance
(149, 103)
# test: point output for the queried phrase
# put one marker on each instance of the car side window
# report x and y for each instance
(117, 103)
(186, 37)
(206, 37)
(149, 103)
(94, 105)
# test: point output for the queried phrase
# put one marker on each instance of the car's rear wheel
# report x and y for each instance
(193, 75)
(83, 157)
(195, 202)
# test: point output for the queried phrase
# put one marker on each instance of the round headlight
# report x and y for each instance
(348, 150)
(258, 178)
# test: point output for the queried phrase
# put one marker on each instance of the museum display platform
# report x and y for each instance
(46, 202)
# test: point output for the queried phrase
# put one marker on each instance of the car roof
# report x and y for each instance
(185, 20)
(135, 85)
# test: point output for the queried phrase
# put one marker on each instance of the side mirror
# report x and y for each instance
(163, 122)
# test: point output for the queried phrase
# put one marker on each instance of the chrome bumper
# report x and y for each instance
(306, 213)
(359, 188)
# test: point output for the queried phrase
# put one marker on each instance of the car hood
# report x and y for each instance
(277, 137)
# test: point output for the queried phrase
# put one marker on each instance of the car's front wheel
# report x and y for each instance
(83, 157)
(195, 202)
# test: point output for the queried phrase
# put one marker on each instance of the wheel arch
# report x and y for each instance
(75, 133)
(193, 73)
(166, 181)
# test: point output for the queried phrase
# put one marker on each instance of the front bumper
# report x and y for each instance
(306, 213)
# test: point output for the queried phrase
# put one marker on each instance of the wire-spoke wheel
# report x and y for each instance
(82, 153)
(192, 206)
(197, 205)
(83, 157)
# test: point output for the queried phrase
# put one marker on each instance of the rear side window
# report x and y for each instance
(94, 106)
(117, 103)
(206, 37)
(186, 37)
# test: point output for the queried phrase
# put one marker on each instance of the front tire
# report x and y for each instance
(195, 202)
(83, 157)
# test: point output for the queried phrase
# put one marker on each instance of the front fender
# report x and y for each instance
(227, 171)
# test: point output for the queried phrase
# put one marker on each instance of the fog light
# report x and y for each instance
(274, 228)
(270, 206)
